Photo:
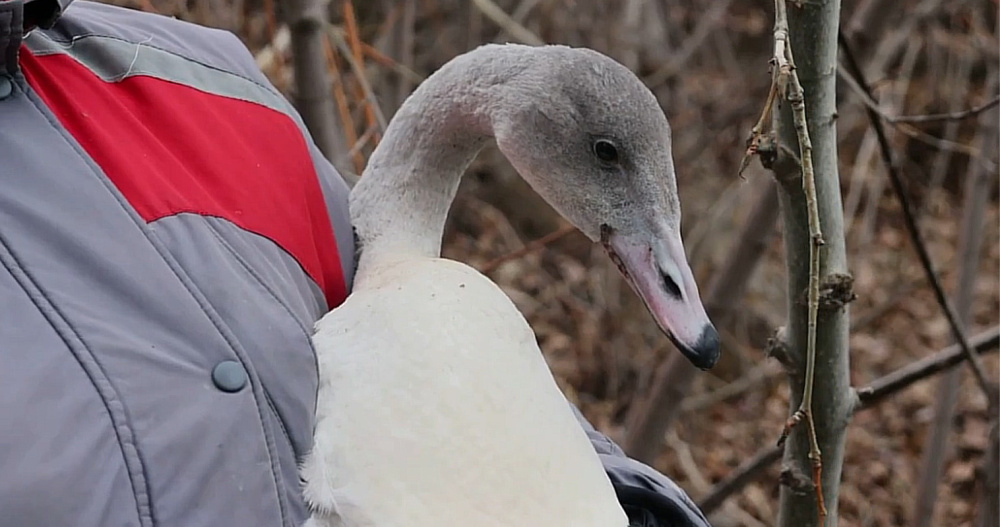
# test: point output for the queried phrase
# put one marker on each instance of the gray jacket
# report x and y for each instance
(168, 235)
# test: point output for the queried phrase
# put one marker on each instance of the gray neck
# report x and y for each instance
(401, 202)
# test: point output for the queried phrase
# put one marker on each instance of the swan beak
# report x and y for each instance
(658, 271)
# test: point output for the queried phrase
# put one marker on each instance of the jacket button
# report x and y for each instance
(229, 376)
(6, 87)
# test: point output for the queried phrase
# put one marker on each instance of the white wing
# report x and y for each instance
(436, 407)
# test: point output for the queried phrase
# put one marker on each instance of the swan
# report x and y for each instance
(435, 405)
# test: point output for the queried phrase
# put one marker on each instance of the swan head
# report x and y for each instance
(592, 140)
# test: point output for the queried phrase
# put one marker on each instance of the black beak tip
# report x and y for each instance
(706, 351)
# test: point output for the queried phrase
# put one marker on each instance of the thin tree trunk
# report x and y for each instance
(313, 97)
(406, 43)
(989, 492)
(977, 194)
(989, 497)
(813, 39)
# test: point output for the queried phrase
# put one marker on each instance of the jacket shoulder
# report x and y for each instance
(140, 31)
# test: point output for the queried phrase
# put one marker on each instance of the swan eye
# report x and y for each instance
(605, 151)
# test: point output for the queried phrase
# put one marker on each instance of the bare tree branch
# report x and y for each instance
(740, 477)
(910, 131)
(868, 397)
(706, 24)
(890, 384)
(508, 24)
(951, 116)
(352, 52)
(977, 193)
(928, 118)
(786, 74)
(812, 30)
(911, 225)
(405, 43)
(528, 248)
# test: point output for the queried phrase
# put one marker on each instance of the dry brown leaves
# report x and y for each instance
(597, 338)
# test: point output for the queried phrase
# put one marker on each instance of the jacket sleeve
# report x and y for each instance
(649, 498)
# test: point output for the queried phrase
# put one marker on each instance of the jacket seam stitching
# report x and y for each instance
(277, 415)
(68, 44)
(78, 347)
(246, 266)
(256, 276)
(185, 281)
(282, 105)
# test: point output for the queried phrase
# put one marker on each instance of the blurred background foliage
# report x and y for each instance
(707, 62)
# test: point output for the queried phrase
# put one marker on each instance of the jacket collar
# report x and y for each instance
(43, 13)
(17, 18)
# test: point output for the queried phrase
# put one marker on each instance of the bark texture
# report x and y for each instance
(313, 97)
(813, 38)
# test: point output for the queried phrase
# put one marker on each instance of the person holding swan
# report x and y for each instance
(182, 290)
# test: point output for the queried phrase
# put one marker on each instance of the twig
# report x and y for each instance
(961, 71)
(944, 144)
(365, 137)
(740, 477)
(762, 130)
(343, 108)
(744, 383)
(879, 389)
(854, 82)
(951, 116)
(682, 452)
(911, 225)
(863, 179)
(927, 118)
(976, 196)
(989, 468)
(786, 69)
(527, 249)
(357, 67)
(702, 236)
(520, 13)
(508, 24)
(652, 416)
(868, 397)
(405, 72)
(707, 23)
(405, 48)
(373, 113)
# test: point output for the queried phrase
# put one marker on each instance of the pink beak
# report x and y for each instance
(657, 269)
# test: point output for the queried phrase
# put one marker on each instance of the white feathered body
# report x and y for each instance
(437, 408)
